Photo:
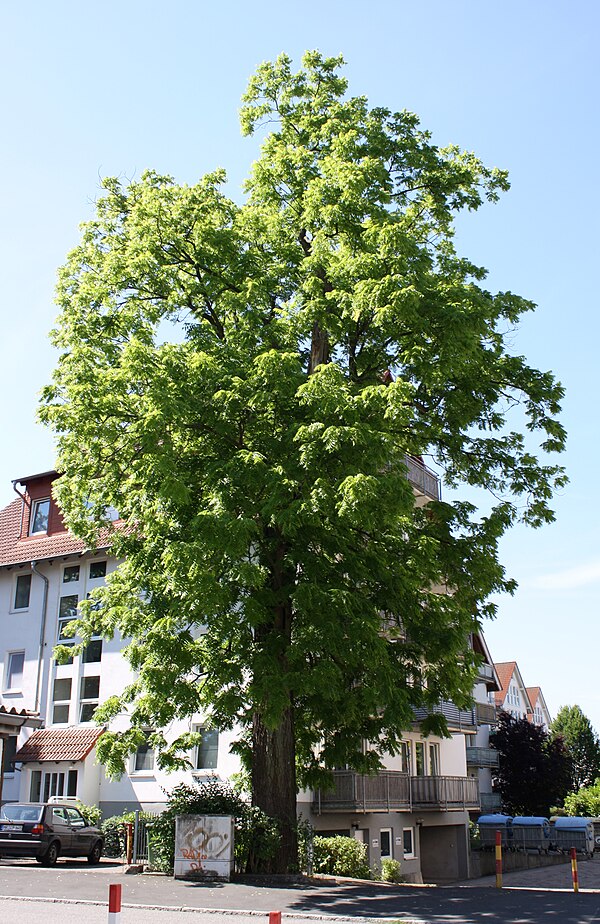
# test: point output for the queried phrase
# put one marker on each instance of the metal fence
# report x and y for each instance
(141, 822)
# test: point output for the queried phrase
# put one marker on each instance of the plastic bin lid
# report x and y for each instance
(494, 820)
(527, 820)
(573, 822)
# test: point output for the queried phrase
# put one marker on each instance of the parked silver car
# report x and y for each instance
(47, 831)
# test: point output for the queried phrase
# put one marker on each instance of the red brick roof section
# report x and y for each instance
(533, 693)
(505, 672)
(54, 744)
(16, 551)
(21, 713)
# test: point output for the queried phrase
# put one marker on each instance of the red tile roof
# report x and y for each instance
(533, 693)
(73, 743)
(505, 671)
(15, 551)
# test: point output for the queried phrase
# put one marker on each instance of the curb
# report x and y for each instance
(302, 915)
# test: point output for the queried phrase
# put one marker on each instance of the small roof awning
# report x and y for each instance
(58, 744)
(11, 720)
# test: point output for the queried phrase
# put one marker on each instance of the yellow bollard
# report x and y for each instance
(498, 860)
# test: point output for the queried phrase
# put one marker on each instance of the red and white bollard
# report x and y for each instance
(114, 903)
(574, 873)
(274, 917)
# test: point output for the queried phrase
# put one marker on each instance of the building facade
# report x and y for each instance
(416, 810)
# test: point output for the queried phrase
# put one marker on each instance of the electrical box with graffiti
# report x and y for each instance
(203, 847)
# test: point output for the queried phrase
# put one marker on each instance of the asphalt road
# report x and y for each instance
(209, 904)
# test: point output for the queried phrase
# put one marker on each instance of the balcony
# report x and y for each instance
(485, 714)
(393, 791)
(490, 802)
(482, 757)
(422, 479)
(485, 673)
(459, 720)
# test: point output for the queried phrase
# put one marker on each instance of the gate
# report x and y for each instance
(141, 821)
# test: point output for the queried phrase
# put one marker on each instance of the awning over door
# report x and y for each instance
(57, 744)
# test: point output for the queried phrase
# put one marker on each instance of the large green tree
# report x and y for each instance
(534, 768)
(244, 383)
(581, 741)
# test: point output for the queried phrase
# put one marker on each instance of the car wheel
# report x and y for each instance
(96, 853)
(51, 855)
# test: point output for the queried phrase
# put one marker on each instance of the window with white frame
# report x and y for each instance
(385, 843)
(420, 758)
(143, 759)
(40, 515)
(405, 757)
(97, 570)
(434, 760)
(71, 574)
(207, 750)
(61, 701)
(67, 612)
(15, 664)
(408, 843)
(22, 592)
(89, 697)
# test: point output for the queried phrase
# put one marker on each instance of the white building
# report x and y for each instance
(416, 810)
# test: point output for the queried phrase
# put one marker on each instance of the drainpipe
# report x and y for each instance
(23, 505)
(42, 635)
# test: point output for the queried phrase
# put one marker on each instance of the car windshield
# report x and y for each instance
(22, 812)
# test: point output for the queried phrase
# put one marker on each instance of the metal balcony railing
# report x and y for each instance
(460, 720)
(482, 757)
(422, 478)
(393, 791)
(486, 714)
(490, 802)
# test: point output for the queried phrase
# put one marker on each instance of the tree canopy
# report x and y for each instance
(534, 768)
(581, 741)
(244, 383)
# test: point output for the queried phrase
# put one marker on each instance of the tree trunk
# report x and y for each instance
(274, 784)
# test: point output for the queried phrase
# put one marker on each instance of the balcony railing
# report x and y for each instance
(490, 802)
(393, 791)
(461, 720)
(482, 757)
(422, 478)
(485, 672)
(486, 714)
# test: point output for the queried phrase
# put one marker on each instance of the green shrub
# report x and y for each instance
(91, 813)
(341, 856)
(257, 837)
(113, 829)
(390, 870)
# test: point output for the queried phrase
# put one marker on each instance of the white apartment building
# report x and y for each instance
(416, 810)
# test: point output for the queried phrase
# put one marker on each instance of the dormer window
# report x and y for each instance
(39, 516)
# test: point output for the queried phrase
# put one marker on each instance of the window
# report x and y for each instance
(71, 574)
(89, 694)
(405, 756)
(72, 783)
(408, 843)
(143, 759)
(22, 591)
(8, 754)
(385, 843)
(54, 785)
(14, 670)
(434, 759)
(92, 653)
(67, 612)
(35, 788)
(61, 698)
(420, 758)
(40, 515)
(97, 570)
(208, 749)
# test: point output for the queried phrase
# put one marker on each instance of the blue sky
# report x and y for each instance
(113, 88)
